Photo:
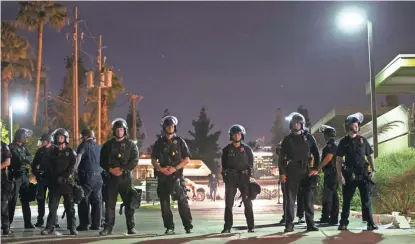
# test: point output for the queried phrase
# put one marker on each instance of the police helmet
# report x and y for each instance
(296, 117)
(254, 189)
(44, 137)
(22, 134)
(87, 133)
(119, 123)
(328, 132)
(168, 121)
(60, 132)
(236, 129)
(353, 118)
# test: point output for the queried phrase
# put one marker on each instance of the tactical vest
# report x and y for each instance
(307, 139)
(237, 158)
(354, 151)
(170, 151)
(20, 157)
(119, 153)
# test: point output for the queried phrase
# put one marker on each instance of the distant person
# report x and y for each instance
(213, 186)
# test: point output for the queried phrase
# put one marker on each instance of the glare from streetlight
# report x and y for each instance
(351, 19)
(19, 104)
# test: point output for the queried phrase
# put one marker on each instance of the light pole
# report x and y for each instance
(18, 104)
(352, 19)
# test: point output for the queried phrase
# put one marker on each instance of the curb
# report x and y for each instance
(399, 221)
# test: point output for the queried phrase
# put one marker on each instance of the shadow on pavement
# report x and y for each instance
(186, 239)
(258, 226)
(67, 239)
(280, 238)
(363, 237)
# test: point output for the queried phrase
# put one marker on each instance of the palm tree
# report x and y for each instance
(15, 62)
(34, 16)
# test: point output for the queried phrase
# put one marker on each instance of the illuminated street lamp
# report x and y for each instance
(18, 104)
(351, 20)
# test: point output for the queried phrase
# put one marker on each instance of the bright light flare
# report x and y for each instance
(19, 104)
(351, 19)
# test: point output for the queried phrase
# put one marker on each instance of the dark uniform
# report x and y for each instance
(213, 186)
(237, 166)
(89, 174)
(169, 153)
(119, 152)
(61, 182)
(39, 167)
(21, 157)
(6, 190)
(355, 148)
(297, 150)
(330, 212)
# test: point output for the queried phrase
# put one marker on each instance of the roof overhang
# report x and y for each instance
(335, 118)
(398, 77)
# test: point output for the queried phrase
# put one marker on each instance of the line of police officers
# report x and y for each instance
(59, 169)
(299, 164)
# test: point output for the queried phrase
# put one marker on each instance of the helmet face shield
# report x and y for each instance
(351, 119)
(234, 129)
(168, 121)
(60, 132)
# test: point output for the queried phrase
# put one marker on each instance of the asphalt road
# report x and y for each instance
(208, 222)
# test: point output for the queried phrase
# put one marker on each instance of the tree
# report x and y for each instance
(139, 124)
(34, 16)
(277, 132)
(304, 112)
(204, 145)
(15, 61)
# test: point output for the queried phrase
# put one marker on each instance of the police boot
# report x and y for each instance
(289, 228)
(169, 232)
(73, 232)
(301, 221)
(343, 225)
(226, 230)
(39, 223)
(132, 231)
(29, 226)
(312, 228)
(251, 230)
(47, 231)
(372, 227)
(189, 230)
(82, 228)
(7, 231)
(106, 231)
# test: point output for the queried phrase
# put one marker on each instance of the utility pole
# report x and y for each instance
(99, 61)
(133, 99)
(75, 102)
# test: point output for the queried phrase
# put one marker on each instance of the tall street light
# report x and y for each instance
(351, 20)
(18, 104)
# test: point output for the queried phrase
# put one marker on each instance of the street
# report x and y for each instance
(208, 222)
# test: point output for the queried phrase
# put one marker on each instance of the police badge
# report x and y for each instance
(66, 154)
(175, 142)
(242, 149)
(361, 140)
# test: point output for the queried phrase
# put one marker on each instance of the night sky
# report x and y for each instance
(241, 60)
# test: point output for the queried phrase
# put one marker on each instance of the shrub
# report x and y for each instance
(395, 181)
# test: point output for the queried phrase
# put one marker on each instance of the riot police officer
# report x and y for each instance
(355, 149)
(21, 157)
(39, 167)
(169, 156)
(89, 174)
(119, 156)
(330, 212)
(60, 172)
(299, 148)
(6, 188)
(237, 166)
